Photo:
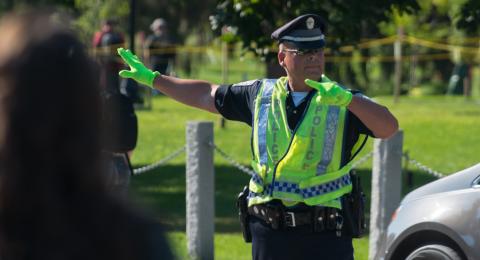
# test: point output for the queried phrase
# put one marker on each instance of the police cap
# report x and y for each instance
(305, 32)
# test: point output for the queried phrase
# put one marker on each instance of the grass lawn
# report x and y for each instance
(440, 132)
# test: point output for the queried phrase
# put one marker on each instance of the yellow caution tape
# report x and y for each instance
(451, 48)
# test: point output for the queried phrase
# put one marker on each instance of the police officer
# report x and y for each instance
(305, 127)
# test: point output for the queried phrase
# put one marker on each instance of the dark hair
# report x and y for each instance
(110, 21)
(53, 199)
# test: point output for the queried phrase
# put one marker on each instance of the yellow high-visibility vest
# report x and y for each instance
(300, 165)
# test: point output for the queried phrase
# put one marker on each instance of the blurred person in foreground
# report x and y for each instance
(54, 202)
(306, 132)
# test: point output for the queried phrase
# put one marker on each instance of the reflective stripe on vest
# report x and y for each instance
(314, 179)
(262, 119)
(329, 140)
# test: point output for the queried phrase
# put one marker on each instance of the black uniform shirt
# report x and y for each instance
(237, 102)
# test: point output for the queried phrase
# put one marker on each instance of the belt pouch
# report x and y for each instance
(242, 205)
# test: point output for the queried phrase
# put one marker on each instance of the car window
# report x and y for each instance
(476, 182)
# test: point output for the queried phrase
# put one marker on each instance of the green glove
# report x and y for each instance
(330, 92)
(137, 71)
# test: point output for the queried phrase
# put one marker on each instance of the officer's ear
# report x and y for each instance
(281, 58)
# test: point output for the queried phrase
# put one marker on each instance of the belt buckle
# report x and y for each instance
(290, 219)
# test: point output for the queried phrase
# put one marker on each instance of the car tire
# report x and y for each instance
(434, 252)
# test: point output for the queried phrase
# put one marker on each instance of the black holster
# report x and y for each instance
(353, 207)
(242, 205)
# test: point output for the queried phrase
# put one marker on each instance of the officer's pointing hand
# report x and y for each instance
(138, 71)
(330, 92)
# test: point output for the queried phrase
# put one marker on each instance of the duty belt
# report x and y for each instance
(278, 217)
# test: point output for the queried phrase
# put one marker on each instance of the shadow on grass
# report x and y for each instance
(162, 193)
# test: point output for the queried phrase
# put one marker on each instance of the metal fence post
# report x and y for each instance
(386, 187)
(200, 190)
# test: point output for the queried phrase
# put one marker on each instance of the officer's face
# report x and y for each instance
(302, 64)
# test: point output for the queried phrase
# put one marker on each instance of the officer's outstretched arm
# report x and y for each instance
(375, 116)
(195, 93)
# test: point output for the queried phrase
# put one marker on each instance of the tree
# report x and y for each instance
(9, 5)
(443, 23)
(252, 22)
(87, 14)
(469, 19)
(184, 17)
(92, 12)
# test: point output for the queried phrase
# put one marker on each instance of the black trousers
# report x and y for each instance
(297, 243)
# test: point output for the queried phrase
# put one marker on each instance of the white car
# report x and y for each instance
(440, 220)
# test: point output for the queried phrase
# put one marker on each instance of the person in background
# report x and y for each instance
(159, 50)
(54, 200)
(105, 42)
(118, 115)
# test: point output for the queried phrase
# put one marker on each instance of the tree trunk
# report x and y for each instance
(398, 64)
